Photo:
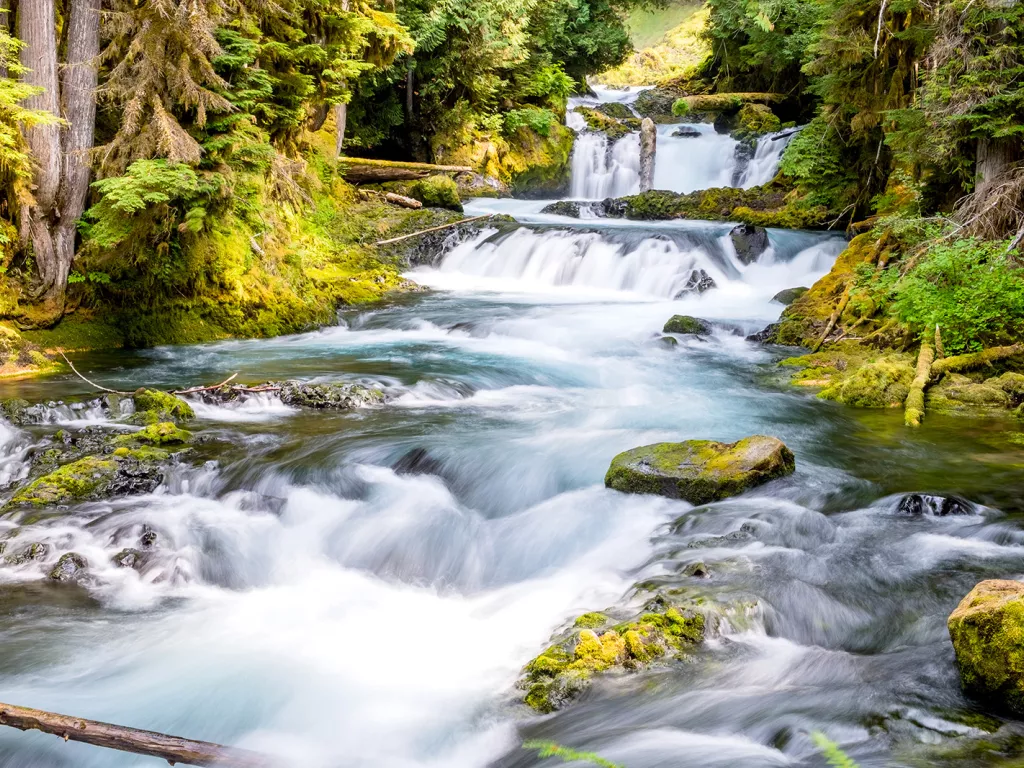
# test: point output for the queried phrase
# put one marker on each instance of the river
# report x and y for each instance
(362, 589)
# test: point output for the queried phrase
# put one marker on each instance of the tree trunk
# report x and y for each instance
(340, 117)
(994, 158)
(409, 92)
(648, 147)
(5, 26)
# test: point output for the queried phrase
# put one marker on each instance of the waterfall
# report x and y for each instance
(600, 171)
(688, 163)
(765, 163)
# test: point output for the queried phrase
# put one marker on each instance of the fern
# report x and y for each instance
(567, 754)
(833, 754)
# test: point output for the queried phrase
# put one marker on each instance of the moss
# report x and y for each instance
(883, 383)
(721, 102)
(958, 392)
(700, 471)
(987, 631)
(564, 669)
(163, 433)
(598, 121)
(756, 120)
(34, 551)
(153, 406)
(79, 480)
(438, 191)
(685, 325)
(591, 620)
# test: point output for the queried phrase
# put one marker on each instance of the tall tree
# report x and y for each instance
(60, 150)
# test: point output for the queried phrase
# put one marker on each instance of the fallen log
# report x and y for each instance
(402, 200)
(975, 359)
(358, 170)
(913, 409)
(788, 132)
(173, 749)
(433, 229)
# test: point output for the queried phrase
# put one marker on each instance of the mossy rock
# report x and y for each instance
(957, 392)
(616, 110)
(684, 325)
(788, 295)
(28, 553)
(69, 568)
(438, 191)
(163, 433)
(987, 630)
(564, 670)
(333, 396)
(883, 383)
(153, 406)
(728, 103)
(82, 479)
(656, 103)
(601, 123)
(700, 471)
(756, 120)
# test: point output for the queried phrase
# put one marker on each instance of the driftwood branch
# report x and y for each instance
(173, 749)
(913, 410)
(192, 390)
(433, 229)
(402, 200)
(91, 383)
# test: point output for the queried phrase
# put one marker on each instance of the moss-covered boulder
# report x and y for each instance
(332, 396)
(124, 472)
(788, 295)
(656, 103)
(153, 406)
(957, 392)
(883, 383)
(756, 120)
(437, 191)
(611, 127)
(684, 325)
(162, 434)
(700, 471)
(69, 568)
(595, 645)
(987, 630)
(616, 109)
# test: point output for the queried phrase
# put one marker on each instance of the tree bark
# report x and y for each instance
(648, 148)
(994, 158)
(5, 26)
(340, 118)
(139, 742)
(358, 170)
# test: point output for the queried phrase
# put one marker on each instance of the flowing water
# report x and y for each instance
(363, 588)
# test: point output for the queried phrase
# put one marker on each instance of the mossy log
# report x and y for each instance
(975, 359)
(359, 170)
(913, 410)
(170, 748)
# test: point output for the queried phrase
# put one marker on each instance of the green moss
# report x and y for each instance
(957, 392)
(153, 406)
(163, 433)
(591, 620)
(597, 120)
(756, 120)
(78, 480)
(616, 110)
(721, 102)
(685, 325)
(438, 191)
(883, 383)
(564, 669)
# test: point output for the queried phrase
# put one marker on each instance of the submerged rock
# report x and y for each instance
(918, 504)
(34, 551)
(789, 295)
(700, 471)
(686, 132)
(749, 241)
(128, 558)
(987, 630)
(70, 567)
(684, 325)
(335, 396)
(564, 670)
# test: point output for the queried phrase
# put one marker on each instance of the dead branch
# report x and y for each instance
(173, 749)
(402, 200)
(913, 410)
(434, 229)
(940, 352)
(91, 383)
(192, 390)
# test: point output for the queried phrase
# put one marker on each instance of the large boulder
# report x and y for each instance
(700, 471)
(788, 295)
(987, 630)
(685, 325)
(749, 241)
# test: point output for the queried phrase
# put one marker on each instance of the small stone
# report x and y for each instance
(127, 558)
(698, 282)
(148, 538)
(686, 132)
(919, 504)
(70, 567)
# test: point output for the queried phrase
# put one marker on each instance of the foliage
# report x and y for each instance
(674, 53)
(819, 162)
(567, 754)
(833, 754)
(970, 289)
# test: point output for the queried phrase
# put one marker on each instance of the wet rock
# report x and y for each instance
(70, 567)
(164, 433)
(767, 335)
(745, 533)
(789, 295)
(335, 396)
(648, 153)
(918, 504)
(749, 241)
(698, 282)
(153, 406)
(13, 408)
(148, 538)
(684, 325)
(700, 471)
(743, 153)
(656, 103)
(686, 132)
(957, 392)
(128, 558)
(697, 571)
(93, 477)
(134, 477)
(563, 208)
(34, 551)
(478, 185)
(615, 109)
(987, 630)
(669, 341)
(564, 670)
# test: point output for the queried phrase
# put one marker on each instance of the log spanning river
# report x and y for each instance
(362, 589)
